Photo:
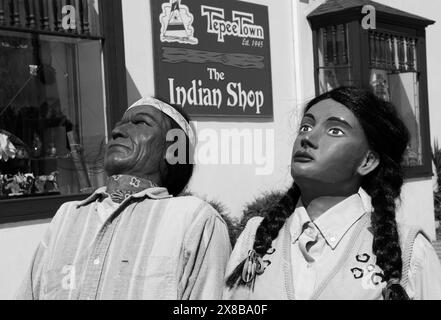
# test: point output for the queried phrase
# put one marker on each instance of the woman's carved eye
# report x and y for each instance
(336, 132)
(305, 128)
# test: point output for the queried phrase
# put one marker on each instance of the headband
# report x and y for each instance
(170, 111)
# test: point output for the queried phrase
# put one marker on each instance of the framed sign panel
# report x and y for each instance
(212, 58)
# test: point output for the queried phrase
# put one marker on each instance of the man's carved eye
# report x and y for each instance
(141, 122)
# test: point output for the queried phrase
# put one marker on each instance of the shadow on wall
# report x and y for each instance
(29, 223)
(133, 93)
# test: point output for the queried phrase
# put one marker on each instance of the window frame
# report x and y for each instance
(45, 207)
(359, 57)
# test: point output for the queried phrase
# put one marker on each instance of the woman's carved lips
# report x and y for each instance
(303, 156)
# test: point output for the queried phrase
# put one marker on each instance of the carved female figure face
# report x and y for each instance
(331, 148)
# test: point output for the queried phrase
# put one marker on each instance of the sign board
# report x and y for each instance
(213, 57)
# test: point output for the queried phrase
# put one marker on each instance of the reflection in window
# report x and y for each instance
(394, 77)
(334, 67)
(51, 113)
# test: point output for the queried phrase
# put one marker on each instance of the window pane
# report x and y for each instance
(402, 89)
(331, 78)
(333, 46)
(333, 56)
(52, 113)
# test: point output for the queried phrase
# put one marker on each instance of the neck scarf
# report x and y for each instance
(120, 187)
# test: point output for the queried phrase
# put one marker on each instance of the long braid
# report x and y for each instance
(268, 230)
(384, 187)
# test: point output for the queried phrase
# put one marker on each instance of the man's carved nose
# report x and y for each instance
(118, 133)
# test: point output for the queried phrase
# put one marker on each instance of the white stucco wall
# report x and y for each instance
(18, 242)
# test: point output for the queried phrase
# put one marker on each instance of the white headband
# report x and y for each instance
(170, 111)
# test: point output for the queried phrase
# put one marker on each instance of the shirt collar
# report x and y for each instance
(155, 193)
(298, 220)
(335, 222)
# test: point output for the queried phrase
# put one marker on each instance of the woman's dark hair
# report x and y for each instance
(176, 176)
(388, 137)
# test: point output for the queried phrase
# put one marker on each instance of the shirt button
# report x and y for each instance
(96, 261)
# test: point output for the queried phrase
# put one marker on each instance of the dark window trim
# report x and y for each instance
(52, 33)
(355, 14)
(359, 52)
(36, 208)
(114, 60)
(33, 208)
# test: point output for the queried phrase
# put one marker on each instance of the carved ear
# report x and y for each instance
(369, 163)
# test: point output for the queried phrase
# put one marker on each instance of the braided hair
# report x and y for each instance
(388, 137)
(268, 230)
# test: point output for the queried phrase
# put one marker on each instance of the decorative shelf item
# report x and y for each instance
(27, 184)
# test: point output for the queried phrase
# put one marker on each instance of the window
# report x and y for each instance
(334, 66)
(58, 98)
(391, 60)
(394, 77)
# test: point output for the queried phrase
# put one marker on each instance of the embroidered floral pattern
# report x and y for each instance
(135, 182)
(122, 187)
(370, 274)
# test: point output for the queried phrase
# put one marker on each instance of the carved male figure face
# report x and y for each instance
(138, 143)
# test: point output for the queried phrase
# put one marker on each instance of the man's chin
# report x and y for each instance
(116, 166)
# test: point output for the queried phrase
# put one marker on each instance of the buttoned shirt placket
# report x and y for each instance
(96, 261)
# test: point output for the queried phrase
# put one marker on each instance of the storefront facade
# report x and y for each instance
(115, 65)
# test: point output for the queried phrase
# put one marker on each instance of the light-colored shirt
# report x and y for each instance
(334, 229)
(151, 246)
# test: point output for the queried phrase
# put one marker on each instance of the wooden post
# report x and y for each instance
(393, 54)
(383, 59)
(345, 44)
(390, 57)
(44, 14)
(401, 56)
(30, 13)
(325, 46)
(411, 54)
(2, 12)
(334, 45)
(371, 50)
(56, 6)
(84, 16)
(15, 13)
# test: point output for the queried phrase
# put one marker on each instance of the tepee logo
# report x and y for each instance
(176, 23)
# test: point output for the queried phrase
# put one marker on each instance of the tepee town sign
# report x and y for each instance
(213, 58)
